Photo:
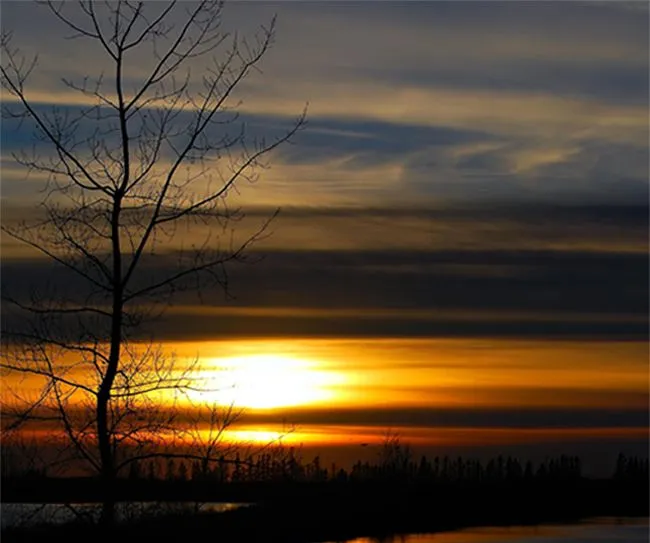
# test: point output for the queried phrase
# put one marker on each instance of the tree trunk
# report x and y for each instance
(107, 518)
(108, 474)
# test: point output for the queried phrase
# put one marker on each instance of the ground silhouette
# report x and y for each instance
(302, 502)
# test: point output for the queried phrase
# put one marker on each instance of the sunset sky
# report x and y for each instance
(462, 250)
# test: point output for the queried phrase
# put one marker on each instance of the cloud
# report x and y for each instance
(581, 171)
(370, 142)
(425, 101)
(429, 124)
(538, 271)
(461, 418)
(374, 163)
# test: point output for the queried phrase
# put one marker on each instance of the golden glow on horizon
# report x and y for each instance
(374, 436)
(280, 378)
(384, 372)
(265, 381)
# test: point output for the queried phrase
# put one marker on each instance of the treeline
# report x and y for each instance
(395, 461)
(396, 481)
(399, 467)
(631, 468)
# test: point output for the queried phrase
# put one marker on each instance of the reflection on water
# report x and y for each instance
(25, 514)
(597, 530)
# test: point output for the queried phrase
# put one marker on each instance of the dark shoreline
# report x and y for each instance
(176, 527)
(310, 513)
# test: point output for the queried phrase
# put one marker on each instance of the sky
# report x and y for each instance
(462, 249)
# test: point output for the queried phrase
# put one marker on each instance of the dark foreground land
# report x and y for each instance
(302, 512)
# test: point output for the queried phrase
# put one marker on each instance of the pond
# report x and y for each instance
(26, 514)
(595, 530)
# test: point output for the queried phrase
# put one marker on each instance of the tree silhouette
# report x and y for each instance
(152, 149)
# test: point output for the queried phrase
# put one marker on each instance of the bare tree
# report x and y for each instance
(147, 153)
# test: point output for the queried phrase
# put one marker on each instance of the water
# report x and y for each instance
(596, 530)
(26, 514)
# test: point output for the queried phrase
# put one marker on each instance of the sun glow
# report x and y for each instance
(265, 381)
